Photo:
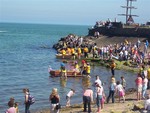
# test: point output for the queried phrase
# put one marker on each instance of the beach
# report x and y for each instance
(131, 104)
(51, 52)
(26, 53)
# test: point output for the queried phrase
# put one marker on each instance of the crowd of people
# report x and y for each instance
(93, 95)
(75, 46)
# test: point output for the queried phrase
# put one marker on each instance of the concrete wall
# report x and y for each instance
(130, 32)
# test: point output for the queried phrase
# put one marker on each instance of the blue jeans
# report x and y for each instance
(27, 106)
(87, 101)
(98, 100)
(111, 94)
(144, 91)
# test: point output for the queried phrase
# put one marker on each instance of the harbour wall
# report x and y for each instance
(129, 32)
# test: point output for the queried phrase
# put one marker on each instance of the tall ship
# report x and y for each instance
(129, 28)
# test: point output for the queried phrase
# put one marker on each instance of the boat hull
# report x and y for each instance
(59, 56)
(57, 73)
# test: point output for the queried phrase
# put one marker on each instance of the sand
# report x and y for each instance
(131, 105)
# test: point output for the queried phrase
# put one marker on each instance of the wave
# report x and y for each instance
(3, 31)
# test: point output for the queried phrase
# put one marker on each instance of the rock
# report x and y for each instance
(138, 107)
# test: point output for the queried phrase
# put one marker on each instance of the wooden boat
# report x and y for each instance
(56, 73)
(59, 56)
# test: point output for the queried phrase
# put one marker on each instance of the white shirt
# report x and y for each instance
(145, 81)
(99, 90)
(119, 87)
(98, 81)
(121, 53)
(71, 93)
(126, 53)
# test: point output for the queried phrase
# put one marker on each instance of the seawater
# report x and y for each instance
(25, 54)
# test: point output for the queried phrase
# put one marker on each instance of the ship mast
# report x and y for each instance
(129, 8)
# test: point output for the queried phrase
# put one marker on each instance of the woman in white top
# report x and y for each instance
(120, 90)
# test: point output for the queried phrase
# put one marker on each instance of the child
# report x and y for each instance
(63, 70)
(17, 107)
(88, 70)
(120, 90)
(123, 82)
(69, 95)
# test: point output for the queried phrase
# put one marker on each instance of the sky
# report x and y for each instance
(71, 12)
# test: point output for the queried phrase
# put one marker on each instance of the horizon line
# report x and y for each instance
(45, 23)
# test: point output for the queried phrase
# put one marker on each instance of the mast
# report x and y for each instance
(128, 13)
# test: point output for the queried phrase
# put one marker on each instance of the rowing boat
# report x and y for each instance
(60, 56)
(57, 73)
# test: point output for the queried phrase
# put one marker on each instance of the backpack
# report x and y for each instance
(31, 99)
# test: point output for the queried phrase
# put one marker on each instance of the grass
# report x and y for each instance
(125, 65)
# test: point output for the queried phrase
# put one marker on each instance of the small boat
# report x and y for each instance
(67, 56)
(56, 73)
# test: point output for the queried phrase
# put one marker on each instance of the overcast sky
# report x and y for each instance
(78, 12)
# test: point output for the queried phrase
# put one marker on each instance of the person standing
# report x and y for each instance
(112, 89)
(85, 50)
(99, 97)
(26, 102)
(54, 99)
(112, 67)
(83, 67)
(148, 77)
(98, 80)
(88, 70)
(120, 91)
(87, 99)
(63, 71)
(17, 107)
(144, 87)
(79, 52)
(11, 108)
(12, 99)
(69, 95)
(138, 82)
(73, 53)
(123, 82)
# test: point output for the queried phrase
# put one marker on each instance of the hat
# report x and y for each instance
(62, 64)
(83, 61)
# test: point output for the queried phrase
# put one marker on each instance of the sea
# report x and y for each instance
(26, 51)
